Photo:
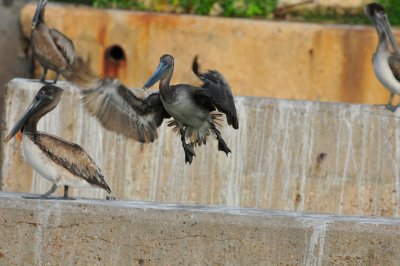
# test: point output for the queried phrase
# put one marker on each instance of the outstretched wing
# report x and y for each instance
(121, 111)
(64, 45)
(218, 89)
(73, 158)
(394, 64)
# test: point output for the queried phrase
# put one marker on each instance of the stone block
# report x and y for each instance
(291, 155)
(99, 232)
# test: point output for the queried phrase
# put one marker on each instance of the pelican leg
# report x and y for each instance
(66, 197)
(44, 74)
(390, 106)
(221, 143)
(45, 195)
(56, 79)
(188, 148)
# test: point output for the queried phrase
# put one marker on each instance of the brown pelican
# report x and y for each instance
(191, 108)
(56, 52)
(59, 161)
(386, 60)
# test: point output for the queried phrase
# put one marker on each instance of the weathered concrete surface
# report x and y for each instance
(13, 60)
(258, 58)
(292, 155)
(88, 232)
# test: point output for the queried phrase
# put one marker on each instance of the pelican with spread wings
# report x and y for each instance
(194, 109)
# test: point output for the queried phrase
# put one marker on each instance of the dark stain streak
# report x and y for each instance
(320, 158)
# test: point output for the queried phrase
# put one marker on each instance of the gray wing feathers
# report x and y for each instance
(73, 158)
(64, 45)
(79, 71)
(220, 92)
(394, 63)
(121, 111)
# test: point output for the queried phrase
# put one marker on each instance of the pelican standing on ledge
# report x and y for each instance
(386, 60)
(56, 52)
(191, 108)
(59, 161)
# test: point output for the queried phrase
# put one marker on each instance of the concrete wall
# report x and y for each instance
(13, 59)
(89, 232)
(258, 58)
(292, 155)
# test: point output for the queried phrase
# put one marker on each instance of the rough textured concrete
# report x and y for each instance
(258, 58)
(292, 155)
(13, 60)
(88, 232)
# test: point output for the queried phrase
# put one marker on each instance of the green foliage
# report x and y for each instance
(392, 8)
(248, 8)
(330, 15)
(124, 4)
(228, 8)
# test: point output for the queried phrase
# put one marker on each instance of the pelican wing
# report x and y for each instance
(73, 158)
(394, 63)
(121, 111)
(64, 45)
(218, 89)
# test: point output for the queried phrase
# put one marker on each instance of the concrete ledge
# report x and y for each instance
(89, 232)
(291, 155)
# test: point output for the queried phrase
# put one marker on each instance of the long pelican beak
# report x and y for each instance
(157, 75)
(32, 109)
(38, 11)
(381, 22)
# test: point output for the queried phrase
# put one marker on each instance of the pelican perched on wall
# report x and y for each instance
(192, 108)
(386, 60)
(56, 52)
(59, 161)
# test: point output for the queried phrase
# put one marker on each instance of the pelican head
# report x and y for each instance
(45, 100)
(39, 14)
(163, 71)
(379, 18)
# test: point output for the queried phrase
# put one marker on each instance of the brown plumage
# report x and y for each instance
(120, 110)
(56, 52)
(57, 160)
(219, 90)
(72, 157)
(394, 63)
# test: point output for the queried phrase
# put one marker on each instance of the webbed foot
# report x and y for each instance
(109, 197)
(391, 107)
(222, 146)
(189, 152)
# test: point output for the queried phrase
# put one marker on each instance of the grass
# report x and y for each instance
(249, 9)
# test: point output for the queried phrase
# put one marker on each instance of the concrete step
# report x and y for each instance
(100, 232)
(290, 155)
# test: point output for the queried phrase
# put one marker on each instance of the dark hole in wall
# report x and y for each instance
(114, 62)
(115, 53)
